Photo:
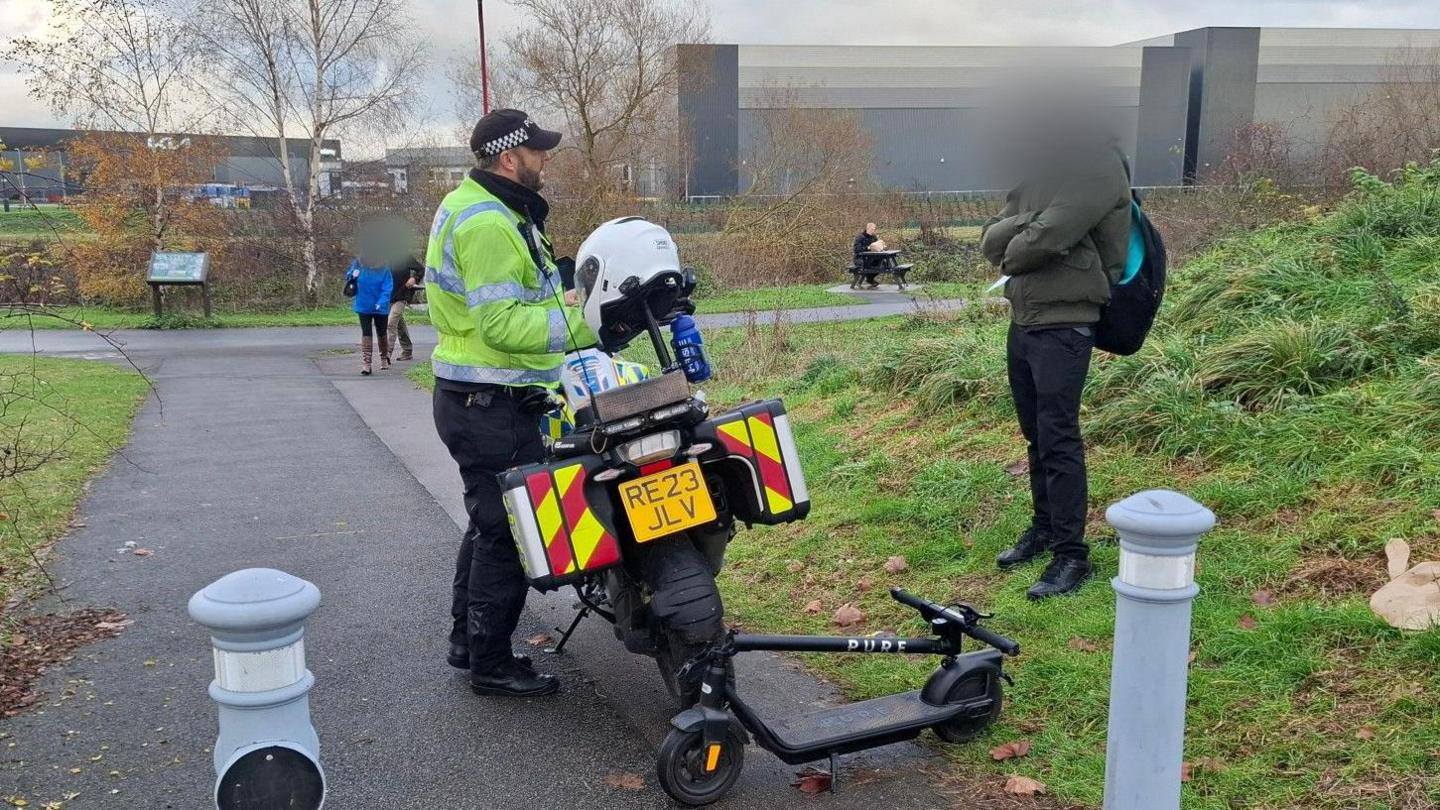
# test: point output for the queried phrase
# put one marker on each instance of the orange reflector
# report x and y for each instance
(712, 758)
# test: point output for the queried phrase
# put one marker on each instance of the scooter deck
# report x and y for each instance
(855, 726)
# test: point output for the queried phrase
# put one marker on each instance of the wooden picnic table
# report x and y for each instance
(872, 263)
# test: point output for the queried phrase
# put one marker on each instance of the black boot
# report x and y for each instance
(514, 681)
(1063, 575)
(1031, 544)
(459, 657)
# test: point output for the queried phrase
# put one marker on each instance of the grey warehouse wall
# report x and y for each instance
(709, 102)
(1159, 157)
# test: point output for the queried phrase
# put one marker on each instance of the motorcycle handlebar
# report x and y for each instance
(932, 611)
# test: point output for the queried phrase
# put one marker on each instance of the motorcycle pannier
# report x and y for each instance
(754, 449)
(563, 523)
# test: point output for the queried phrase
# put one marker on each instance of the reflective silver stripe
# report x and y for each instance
(502, 291)
(449, 282)
(487, 293)
(559, 331)
(448, 275)
(442, 216)
(494, 376)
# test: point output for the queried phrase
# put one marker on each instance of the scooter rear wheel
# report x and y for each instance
(965, 729)
(681, 767)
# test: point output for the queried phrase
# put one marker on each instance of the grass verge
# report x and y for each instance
(77, 414)
(1293, 386)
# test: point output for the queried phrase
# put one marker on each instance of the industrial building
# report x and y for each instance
(1176, 101)
(248, 162)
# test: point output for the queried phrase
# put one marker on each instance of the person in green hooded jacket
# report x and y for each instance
(1061, 239)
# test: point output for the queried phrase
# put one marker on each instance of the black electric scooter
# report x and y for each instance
(702, 755)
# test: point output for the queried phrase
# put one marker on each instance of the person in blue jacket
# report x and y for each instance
(372, 288)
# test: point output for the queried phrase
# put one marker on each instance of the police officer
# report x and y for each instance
(504, 324)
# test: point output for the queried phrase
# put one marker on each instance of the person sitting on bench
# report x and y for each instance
(864, 243)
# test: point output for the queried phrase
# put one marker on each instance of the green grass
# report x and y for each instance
(28, 223)
(81, 410)
(766, 299)
(1293, 386)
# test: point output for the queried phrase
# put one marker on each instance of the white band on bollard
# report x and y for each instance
(260, 671)
(1167, 572)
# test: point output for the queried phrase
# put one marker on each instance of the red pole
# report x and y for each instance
(484, 71)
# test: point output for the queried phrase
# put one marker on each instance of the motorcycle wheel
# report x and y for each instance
(681, 767)
(687, 607)
(965, 729)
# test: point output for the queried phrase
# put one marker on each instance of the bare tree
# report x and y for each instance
(608, 68)
(467, 94)
(803, 204)
(310, 68)
(121, 64)
(117, 64)
(1396, 123)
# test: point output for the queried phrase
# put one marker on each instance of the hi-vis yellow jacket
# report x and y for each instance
(501, 319)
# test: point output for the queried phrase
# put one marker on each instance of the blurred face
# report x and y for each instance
(526, 166)
(870, 228)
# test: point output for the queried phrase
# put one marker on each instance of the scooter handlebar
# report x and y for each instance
(1009, 646)
(932, 611)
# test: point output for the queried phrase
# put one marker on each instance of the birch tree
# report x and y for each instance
(310, 69)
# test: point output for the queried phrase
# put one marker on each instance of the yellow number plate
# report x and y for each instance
(667, 502)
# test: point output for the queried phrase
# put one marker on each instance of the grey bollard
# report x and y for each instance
(1159, 530)
(267, 754)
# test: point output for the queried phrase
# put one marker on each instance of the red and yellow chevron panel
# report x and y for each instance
(575, 540)
(754, 437)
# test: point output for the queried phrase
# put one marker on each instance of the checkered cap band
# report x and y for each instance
(508, 141)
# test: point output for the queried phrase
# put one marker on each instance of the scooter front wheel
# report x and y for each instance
(694, 774)
(977, 684)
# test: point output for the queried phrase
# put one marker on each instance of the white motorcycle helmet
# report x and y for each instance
(623, 267)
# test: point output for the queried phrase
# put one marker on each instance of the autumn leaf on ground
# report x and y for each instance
(1082, 645)
(812, 780)
(847, 614)
(1247, 622)
(1024, 786)
(1365, 733)
(865, 584)
(1185, 772)
(1010, 750)
(1018, 468)
(895, 565)
(813, 607)
(625, 781)
(1263, 598)
(142, 552)
(795, 567)
(1210, 764)
(538, 641)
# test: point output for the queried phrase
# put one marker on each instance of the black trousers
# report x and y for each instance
(486, 434)
(370, 321)
(1047, 370)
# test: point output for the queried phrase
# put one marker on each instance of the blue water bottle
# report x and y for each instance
(689, 348)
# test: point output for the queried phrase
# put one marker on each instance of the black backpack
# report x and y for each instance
(1135, 300)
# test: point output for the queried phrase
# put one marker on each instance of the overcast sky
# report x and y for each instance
(450, 26)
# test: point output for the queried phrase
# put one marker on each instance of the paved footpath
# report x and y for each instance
(265, 449)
